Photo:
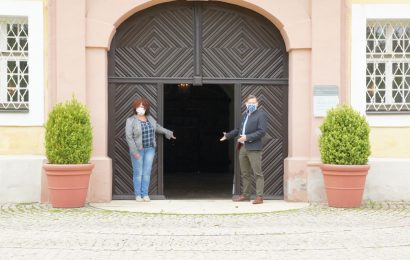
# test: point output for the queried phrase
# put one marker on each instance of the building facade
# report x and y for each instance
(298, 57)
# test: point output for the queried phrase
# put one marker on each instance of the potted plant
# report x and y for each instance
(344, 150)
(68, 142)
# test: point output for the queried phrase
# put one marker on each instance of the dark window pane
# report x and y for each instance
(15, 29)
(11, 67)
(397, 82)
(12, 95)
(397, 46)
(23, 95)
(395, 66)
(371, 88)
(382, 45)
(23, 67)
(12, 30)
(370, 46)
(397, 96)
(406, 69)
(23, 44)
(15, 79)
(407, 82)
(370, 68)
(11, 44)
(26, 96)
(407, 96)
(398, 32)
(380, 96)
(23, 81)
(380, 83)
(397, 69)
(24, 31)
(369, 34)
(10, 82)
(381, 67)
(378, 31)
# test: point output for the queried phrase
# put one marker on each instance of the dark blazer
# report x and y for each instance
(254, 131)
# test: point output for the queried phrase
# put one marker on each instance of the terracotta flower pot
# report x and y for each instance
(344, 184)
(68, 184)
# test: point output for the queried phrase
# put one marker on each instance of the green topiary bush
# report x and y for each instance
(345, 137)
(69, 134)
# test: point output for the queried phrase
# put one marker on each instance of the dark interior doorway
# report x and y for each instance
(197, 164)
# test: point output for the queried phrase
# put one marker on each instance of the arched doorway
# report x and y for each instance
(198, 165)
(198, 43)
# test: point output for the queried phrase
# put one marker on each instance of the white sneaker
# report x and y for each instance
(139, 199)
(146, 199)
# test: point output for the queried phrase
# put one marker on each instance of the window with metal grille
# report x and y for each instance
(14, 68)
(388, 66)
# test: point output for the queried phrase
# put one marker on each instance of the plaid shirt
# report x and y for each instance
(147, 134)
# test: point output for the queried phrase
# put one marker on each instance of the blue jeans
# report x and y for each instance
(141, 171)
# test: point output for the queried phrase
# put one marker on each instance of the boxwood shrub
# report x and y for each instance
(68, 136)
(344, 137)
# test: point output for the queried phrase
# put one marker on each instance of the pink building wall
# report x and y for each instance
(80, 35)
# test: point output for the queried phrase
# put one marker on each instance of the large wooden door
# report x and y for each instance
(121, 95)
(197, 43)
(273, 99)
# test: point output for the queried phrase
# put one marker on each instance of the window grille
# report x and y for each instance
(388, 66)
(14, 66)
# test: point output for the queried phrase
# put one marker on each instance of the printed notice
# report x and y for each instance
(325, 97)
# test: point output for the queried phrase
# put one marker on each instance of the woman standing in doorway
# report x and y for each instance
(140, 132)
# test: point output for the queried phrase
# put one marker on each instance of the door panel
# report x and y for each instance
(156, 44)
(274, 101)
(238, 44)
(124, 95)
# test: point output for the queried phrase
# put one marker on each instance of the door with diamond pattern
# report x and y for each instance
(197, 43)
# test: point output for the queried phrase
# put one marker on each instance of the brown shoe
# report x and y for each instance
(258, 200)
(242, 198)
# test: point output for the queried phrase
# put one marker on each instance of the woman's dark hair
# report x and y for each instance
(140, 101)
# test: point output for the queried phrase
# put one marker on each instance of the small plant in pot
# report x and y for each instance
(344, 150)
(68, 142)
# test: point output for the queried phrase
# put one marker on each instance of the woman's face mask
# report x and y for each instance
(140, 111)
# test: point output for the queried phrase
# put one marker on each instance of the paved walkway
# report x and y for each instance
(199, 206)
(36, 231)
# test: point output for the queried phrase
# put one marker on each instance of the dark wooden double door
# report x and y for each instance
(197, 43)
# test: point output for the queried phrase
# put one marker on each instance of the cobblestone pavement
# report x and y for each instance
(375, 231)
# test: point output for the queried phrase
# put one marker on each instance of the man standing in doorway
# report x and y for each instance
(253, 128)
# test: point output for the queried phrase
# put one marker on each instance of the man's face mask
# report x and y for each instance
(251, 107)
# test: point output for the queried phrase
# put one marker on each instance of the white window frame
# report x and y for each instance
(360, 14)
(33, 10)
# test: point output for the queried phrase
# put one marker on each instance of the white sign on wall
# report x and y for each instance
(325, 97)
